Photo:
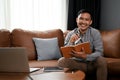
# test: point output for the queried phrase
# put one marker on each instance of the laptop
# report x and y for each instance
(14, 59)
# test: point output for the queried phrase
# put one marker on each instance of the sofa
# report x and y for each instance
(111, 44)
(23, 38)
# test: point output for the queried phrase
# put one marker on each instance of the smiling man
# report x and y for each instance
(80, 60)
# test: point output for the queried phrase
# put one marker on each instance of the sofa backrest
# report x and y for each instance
(111, 42)
(23, 38)
(5, 38)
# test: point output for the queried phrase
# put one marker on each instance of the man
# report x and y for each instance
(80, 60)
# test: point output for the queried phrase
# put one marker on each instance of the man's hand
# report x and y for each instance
(79, 54)
(73, 38)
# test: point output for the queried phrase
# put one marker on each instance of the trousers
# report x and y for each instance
(99, 66)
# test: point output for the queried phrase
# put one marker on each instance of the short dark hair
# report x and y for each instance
(84, 11)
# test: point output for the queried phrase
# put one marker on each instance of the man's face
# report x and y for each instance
(83, 21)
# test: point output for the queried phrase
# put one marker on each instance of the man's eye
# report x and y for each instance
(87, 19)
(80, 18)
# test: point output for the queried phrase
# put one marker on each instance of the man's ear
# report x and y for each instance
(91, 22)
(76, 19)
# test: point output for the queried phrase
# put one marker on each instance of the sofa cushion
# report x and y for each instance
(113, 65)
(5, 38)
(47, 49)
(23, 38)
(45, 63)
(111, 43)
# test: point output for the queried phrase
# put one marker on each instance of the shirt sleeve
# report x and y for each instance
(97, 46)
(67, 39)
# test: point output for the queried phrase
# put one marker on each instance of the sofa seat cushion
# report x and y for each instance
(113, 65)
(45, 63)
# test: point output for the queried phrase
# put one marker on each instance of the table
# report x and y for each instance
(78, 75)
(14, 76)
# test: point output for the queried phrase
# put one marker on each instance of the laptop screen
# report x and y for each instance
(13, 59)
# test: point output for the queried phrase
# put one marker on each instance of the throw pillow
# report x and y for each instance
(47, 48)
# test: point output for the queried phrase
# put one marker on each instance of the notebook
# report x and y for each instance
(14, 59)
(65, 50)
